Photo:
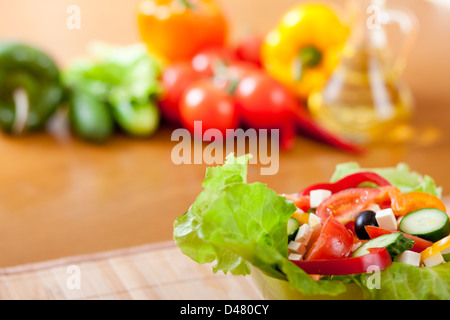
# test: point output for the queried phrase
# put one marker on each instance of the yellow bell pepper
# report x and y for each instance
(304, 48)
(437, 247)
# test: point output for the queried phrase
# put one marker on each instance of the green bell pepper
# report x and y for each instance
(89, 117)
(30, 88)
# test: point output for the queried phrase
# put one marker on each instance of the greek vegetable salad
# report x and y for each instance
(328, 235)
(341, 228)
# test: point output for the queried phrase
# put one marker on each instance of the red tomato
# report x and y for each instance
(335, 241)
(302, 202)
(347, 204)
(240, 69)
(175, 80)
(264, 103)
(210, 104)
(207, 60)
(230, 76)
(249, 49)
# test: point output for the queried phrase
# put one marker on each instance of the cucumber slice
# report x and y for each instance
(429, 224)
(292, 228)
(395, 243)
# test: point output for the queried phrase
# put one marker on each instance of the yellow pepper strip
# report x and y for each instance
(304, 48)
(437, 247)
(404, 203)
(301, 217)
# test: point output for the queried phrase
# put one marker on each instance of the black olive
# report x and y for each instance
(365, 218)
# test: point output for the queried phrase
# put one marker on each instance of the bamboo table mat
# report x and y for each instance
(151, 272)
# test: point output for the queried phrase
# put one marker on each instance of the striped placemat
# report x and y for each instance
(156, 272)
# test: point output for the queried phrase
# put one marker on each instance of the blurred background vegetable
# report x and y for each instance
(209, 103)
(300, 54)
(30, 88)
(304, 48)
(248, 48)
(187, 70)
(89, 117)
(177, 29)
(120, 84)
(175, 79)
(186, 47)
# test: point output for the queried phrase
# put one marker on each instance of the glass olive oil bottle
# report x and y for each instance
(365, 99)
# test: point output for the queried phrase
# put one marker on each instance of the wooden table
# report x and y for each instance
(61, 197)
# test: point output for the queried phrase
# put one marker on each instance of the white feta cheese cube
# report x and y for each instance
(295, 257)
(374, 207)
(445, 251)
(409, 257)
(315, 225)
(314, 220)
(434, 260)
(296, 247)
(303, 234)
(386, 219)
(317, 196)
(293, 246)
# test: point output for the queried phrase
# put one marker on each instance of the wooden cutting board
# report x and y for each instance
(156, 271)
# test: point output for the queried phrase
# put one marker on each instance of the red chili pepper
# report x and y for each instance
(351, 181)
(378, 257)
(311, 128)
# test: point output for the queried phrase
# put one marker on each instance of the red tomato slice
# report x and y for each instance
(301, 202)
(419, 243)
(347, 204)
(335, 241)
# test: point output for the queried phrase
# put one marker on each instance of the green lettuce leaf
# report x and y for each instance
(234, 225)
(400, 176)
(405, 282)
